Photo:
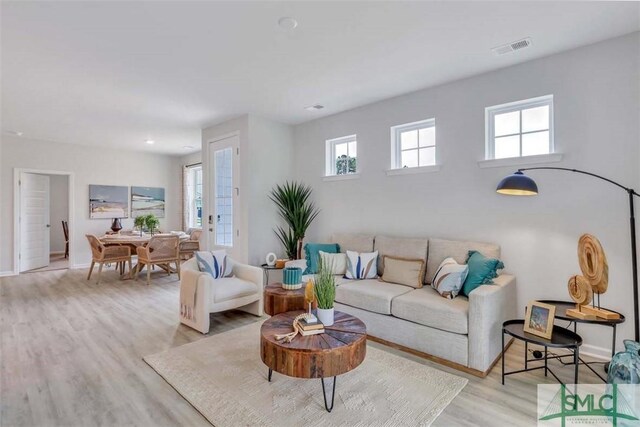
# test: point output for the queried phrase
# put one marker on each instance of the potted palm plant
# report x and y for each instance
(294, 206)
(140, 222)
(152, 222)
(325, 292)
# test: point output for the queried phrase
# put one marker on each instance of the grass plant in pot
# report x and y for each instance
(325, 291)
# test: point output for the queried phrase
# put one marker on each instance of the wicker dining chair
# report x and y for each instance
(161, 250)
(102, 254)
(191, 246)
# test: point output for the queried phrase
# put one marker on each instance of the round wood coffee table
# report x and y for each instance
(339, 350)
(279, 300)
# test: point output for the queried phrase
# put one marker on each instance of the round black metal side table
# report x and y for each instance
(560, 338)
(561, 314)
(266, 269)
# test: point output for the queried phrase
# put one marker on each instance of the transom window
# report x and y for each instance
(413, 144)
(342, 155)
(518, 129)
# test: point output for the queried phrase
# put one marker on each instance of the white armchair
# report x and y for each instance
(243, 291)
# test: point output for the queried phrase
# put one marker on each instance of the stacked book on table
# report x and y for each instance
(310, 328)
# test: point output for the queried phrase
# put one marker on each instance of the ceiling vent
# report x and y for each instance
(314, 107)
(512, 47)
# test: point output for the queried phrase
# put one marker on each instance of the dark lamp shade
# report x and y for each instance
(517, 184)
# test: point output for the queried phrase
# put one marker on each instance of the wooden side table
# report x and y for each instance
(278, 300)
(339, 350)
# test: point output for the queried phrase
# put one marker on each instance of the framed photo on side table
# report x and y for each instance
(539, 319)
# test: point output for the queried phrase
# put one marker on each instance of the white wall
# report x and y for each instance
(58, 210)
(266, 158)
(596, 101)
(90, 165)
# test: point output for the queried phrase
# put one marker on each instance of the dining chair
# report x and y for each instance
(162, 250)
(65, 230)
(102, 254)
(190, 246)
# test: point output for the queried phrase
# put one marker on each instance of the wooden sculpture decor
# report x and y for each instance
(593, 282)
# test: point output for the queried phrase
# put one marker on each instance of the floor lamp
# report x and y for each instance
(518, 184)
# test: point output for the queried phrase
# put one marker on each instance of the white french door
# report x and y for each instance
(224, 192)
(34, 221)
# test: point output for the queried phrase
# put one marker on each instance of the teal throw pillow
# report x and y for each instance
(312, 254)
(482, 271)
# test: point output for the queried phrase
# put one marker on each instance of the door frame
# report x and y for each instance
(206, 153)
(17, 172)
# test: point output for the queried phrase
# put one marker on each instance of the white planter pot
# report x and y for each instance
(325, 315)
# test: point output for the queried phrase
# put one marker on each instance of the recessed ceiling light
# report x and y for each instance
(149, 141)
(315, 107)
(188, 147)
(287, 23)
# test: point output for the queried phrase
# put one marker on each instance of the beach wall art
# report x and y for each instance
(108, 201)
(147, 200)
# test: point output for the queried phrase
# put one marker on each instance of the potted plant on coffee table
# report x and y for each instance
(325, 291)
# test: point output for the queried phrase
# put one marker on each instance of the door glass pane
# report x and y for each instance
(409, 159)
(224, 196)
(507, 123)
(535, 143)
(508, 146)
(427, 156)
(409, 139)
(535, 119)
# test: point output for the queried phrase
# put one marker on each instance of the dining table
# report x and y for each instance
(136, 240)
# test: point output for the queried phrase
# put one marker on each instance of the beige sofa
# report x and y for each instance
(463, 332)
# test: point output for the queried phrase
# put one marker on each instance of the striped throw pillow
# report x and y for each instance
(449, 278)
(215, 263)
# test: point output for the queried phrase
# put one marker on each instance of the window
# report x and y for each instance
(193, 196)
(519, 129)
(342, 156)
(413, 145)
(224, 196)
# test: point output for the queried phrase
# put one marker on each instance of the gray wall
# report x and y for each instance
(596, 94)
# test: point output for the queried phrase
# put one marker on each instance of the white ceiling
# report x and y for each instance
(117, 73)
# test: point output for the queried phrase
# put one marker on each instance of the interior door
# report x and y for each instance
(34, 221)
(224, 194)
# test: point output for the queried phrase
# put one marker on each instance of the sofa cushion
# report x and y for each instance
(400, 248)
(426, 307)
(229, 288)
(370, 294)
(353, 242)
(459, 250)
(312, 254)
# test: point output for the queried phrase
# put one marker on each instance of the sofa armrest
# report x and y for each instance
(249, 273)
(204, 288)
(489, 307)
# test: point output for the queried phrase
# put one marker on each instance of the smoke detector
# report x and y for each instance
(512, 47)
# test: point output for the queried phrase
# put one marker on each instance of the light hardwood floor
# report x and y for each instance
(71, 355)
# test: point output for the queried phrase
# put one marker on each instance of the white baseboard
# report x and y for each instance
(78, 266)
(7, 273)
(594, 351)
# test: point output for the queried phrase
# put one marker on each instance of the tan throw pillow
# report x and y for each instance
(403, 271)
(337, 262)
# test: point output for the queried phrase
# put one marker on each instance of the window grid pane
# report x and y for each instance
(522, 128)
(224, 196)
(344, 155)
(414, 144)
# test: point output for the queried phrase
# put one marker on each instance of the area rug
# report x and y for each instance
(224, 378)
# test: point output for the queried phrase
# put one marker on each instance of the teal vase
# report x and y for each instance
(625, 366)
(292, 278)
